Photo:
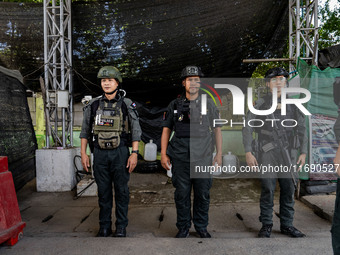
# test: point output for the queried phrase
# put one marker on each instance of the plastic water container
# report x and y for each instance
(229, 161)
(150, 151)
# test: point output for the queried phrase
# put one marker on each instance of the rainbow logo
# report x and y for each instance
(209, 93)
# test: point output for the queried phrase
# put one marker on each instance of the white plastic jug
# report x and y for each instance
(150, 151)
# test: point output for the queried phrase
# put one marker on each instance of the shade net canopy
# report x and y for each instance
(149, 41)
(17, 140)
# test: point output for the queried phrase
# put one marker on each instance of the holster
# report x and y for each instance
(295, 143)
(255, 145)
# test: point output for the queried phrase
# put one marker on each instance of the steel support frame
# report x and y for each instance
(58, 71)
(303, 31)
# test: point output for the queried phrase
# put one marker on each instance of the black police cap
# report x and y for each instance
(276, 71)
(191, 71)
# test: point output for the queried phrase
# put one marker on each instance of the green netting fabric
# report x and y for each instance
(320, 84)
(17, 140)
(322, 142)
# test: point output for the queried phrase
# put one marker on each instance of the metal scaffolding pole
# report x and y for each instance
(58, 72)
(303, 34)
(303, 31)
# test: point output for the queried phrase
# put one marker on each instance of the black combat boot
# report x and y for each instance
(291, 231)
(104, 232)
(265, 231)
(120, 232)
(182, 233)
(203, 233)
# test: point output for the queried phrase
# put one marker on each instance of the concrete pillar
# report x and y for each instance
(55, 169)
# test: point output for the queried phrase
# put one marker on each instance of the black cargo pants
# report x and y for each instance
(336, 222)
(268, 184)
(184, 184)
(110, 168)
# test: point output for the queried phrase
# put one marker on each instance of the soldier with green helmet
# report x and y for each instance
(110, 124)
(186, 148)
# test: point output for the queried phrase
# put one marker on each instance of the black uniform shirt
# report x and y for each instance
(179, 148)
(337, 127)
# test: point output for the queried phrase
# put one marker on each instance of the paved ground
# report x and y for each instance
(58, 224)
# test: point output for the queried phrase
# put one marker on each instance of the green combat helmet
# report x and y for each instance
(110, 72)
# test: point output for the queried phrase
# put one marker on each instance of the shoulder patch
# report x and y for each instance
(129, 103)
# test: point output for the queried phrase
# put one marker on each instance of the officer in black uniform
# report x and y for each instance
(336, 217)
(183, 112)
(109, 122)
(270, 154)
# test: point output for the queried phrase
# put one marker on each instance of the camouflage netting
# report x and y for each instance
(17, 140)
(149, 41)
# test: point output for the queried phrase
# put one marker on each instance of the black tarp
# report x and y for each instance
(149, 41)
(329, 57)
(17, 138)
(150, 119)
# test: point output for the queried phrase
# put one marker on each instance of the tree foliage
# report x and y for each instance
(329, 29)
(329, 35)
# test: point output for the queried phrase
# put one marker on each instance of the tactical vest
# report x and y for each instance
(188, 116)
(266, 130)
(108, 124)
